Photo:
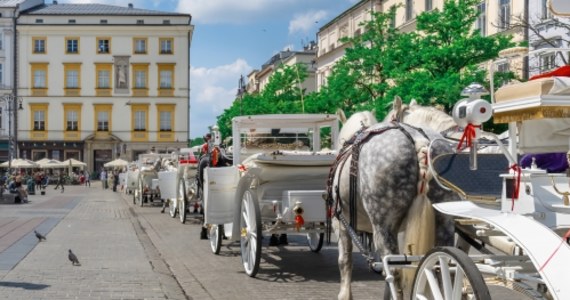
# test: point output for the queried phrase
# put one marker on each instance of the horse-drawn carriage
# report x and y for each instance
(146, 188)
(275, 185)
(514, 229)
(177, 182)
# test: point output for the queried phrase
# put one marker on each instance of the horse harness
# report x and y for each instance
(352, 148)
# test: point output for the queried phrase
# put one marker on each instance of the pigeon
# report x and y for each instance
(40, 236)
(73, 259)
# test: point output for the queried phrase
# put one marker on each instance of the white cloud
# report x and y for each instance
(306, 22)
(236, 11)
(212, 91)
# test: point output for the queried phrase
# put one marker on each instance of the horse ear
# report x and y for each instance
(413, 102)
(341, 115)
(397, 104)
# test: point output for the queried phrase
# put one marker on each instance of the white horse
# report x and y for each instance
(394, 190)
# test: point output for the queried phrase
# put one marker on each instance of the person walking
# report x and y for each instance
(103, 178)
(87, 178)
(60, 182)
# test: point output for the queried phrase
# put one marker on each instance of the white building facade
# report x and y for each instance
(100, 82)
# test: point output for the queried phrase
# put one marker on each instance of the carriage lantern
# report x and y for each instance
(470, 113)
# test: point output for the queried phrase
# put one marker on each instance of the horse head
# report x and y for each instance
(357, 121)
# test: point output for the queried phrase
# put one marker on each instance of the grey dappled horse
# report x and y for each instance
(394, 191)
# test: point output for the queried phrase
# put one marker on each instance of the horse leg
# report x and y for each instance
(386, 243)
(344, 263)
(444, 230)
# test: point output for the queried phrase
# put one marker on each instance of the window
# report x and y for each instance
(71, 79)
(39, 79)
(102, 121)
(104, 45)
(71, 21)
(39, 45)
(409, 9)
(504, 14)
(72, 45)
(165, 121)
(72, 120)
(429, 5)
(166, 22)
(481, 22)
(1, 76)
(103, 76)
(39, 21)
(166, 79)
(140, 79)
(103, 79)
(166, 45)
(140, 120)
(393, 17)
(39, 120)
(547, 62)
(140, 21)
(139, 45)
(545, 12)
(103, 21)
(1, 41)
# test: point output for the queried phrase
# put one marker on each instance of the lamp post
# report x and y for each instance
(13, 104)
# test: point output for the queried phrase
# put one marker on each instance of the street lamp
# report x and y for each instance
(13, 104)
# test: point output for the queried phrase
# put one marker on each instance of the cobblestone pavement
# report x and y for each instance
(99, 227)
(131, 252)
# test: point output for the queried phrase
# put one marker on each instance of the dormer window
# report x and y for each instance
(140, 22)
(39, 21)
(71, 21)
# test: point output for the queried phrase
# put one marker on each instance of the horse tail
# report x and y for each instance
(419, 235)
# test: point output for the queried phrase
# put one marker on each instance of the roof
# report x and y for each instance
(343, 14)
(10, 3)
(96, 9)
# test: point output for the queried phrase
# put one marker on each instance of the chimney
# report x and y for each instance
(54, 2)
(130, 5)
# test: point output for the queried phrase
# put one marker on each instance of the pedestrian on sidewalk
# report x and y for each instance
(87, 178)
(60, 182)
(103, 178)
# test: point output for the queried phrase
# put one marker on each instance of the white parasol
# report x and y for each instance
(19, 163)
(117, 163)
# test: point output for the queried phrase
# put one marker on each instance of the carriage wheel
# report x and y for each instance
(135, 193)
(172, 205)
(216, 232)
(140, 187)
(181, 199)
(315, 241)
(448, 273)
(250, 225)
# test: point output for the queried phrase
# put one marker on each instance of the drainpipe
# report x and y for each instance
(188, 138)
(14, 111)
(526, 38)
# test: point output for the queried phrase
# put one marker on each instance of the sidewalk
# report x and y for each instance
(104, 235)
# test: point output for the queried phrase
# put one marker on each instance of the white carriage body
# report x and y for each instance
(283, 154)
(539, 122)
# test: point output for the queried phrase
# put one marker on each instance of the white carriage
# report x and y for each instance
(147, 189)
(522, 243)
(177, 183)
(276, 183)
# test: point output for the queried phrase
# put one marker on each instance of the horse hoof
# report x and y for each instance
(283, 240)
(273, 241)
(204, 234)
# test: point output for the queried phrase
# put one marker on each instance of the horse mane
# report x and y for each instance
(427, 116)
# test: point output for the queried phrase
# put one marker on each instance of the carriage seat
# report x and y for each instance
(483, 184)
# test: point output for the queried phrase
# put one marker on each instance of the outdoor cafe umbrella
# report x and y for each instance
(19, 163)
(46, 163)
(71, 163)
(117, 163)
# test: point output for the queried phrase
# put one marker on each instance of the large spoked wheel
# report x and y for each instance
(172, 205)
(181, 199)
(215, 233)
(140, 188)
(315, 241)
(448, 273)
(250, 225)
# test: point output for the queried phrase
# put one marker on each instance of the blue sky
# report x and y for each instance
(233, 37)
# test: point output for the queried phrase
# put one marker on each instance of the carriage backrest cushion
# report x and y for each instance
(485, 181)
